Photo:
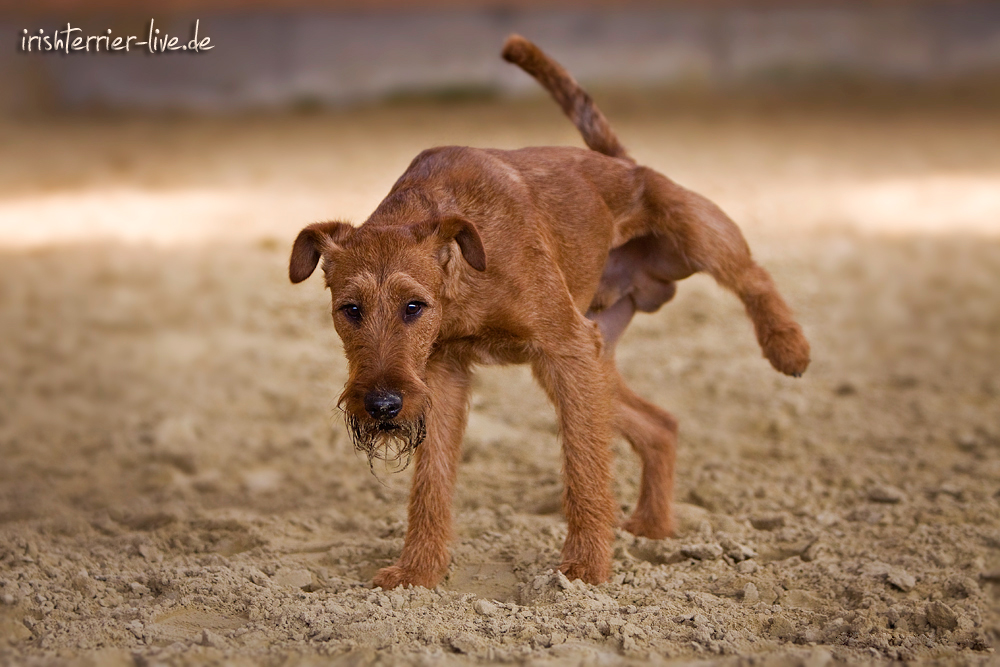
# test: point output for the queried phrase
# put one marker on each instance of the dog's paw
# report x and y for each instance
(396, 575)
(788, 351)
(591, 573)
(655, 528)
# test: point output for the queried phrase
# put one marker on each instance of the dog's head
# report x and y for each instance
(388, 282)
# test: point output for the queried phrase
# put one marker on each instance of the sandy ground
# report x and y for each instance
(176, 488)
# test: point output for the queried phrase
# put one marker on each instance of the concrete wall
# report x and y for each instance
(271, 59)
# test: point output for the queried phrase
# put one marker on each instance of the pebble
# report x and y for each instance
(768, 522)
(845, 389)
(689, 518)
(827, 519)
(901, 579)
(781, 628)
(738, 552)
(750, 593)
(967, 442)
(709, 551)
(811, 552)
(631, 630)
(866, 514)
(941, 616)
(150, 553)
(135, 627)
(962, 587)
(747, 567)
(484, 607)
(299, 578)
(953, 490)
(209, 638)
(884, 493)
(709, 496)
(802, 599)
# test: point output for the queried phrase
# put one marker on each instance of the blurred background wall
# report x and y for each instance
(274, 54)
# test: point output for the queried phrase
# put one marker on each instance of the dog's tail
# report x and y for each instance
(573, 99)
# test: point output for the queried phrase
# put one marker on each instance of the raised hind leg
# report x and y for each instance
(686, 233)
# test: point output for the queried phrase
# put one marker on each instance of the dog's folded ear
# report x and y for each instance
(462, 232)
(310, 243)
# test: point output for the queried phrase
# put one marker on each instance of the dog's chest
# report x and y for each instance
(491, 348)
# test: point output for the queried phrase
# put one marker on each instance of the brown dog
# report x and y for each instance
(540, 256)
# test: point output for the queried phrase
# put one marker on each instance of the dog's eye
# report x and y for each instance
(413, 309)
(352, 311)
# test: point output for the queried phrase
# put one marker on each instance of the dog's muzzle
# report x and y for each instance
(388, 441)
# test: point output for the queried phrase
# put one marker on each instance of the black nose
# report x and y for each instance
(383, 404)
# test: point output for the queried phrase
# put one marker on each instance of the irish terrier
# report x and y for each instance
(540, 256)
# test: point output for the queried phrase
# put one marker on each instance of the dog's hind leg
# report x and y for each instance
(424, 559)
(695, 235)
(652, 432)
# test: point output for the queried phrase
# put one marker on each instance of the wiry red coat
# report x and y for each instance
(540, 256)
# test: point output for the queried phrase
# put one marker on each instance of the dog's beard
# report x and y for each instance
(389, 442)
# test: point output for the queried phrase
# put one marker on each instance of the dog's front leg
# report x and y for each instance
(424, 560)
(571, 371)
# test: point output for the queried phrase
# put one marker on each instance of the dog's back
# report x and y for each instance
(565, 204)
